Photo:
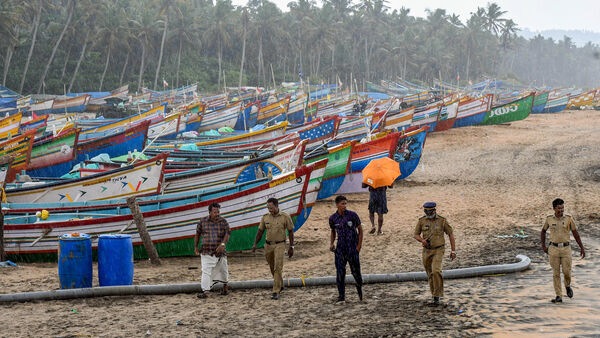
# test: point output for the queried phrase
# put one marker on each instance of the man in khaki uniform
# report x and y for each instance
(430, 232)
(559, 250)
(276, 223)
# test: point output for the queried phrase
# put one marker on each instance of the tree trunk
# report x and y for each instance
(142, 67)
(105, 67)
(2, 253)
(162, 49)
(219, 59)
(71, 9)
(243, 58)
(124, 69)
(81, 56)
(36, 25)
(9, 54)
(179, 51)
(143, 231)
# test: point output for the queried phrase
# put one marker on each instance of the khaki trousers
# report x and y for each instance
(274, 254)
(432, 261)
(560, 257)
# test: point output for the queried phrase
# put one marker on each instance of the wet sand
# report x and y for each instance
(491, 183)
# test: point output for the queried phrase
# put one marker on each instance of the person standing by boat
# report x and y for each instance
(377, 205)
(429, 231)
(276, 223)
(346, 226)
(559, 249)
(215, 232)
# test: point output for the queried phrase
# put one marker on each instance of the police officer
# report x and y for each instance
(276, 223)
(429, 232)
(559, 250)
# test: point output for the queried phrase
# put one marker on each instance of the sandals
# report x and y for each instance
(225, 290)
(372, 230)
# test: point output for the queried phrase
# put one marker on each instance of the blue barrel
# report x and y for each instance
(115, 260)
(75, 261)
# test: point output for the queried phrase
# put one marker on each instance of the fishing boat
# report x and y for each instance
(112, 145)
(140, 178)
(338, 165)
(170, 219)
(512, 111)
(539, 102)
(54, 149)
(472, 111)
(18, 147)
(404, 147)
(9, 125)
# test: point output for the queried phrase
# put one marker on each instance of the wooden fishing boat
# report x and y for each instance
(582, 100)
(427, 116)
(75, 104)
(539, 102)
(18, 147)
(273, 112)
(338, 164)
(152, 115)
(170, 219)
(270, 164)
(37, 123)
(9, 125)
(114, 145)
(557, 102)
(516, 110)
(54, 149)
(447, 116)
(41, 107)
(251, 136)
(404, 147)
(140, 178)
(225, 117)
(472, 111)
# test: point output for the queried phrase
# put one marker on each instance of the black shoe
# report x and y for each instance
(360, 294)
(275, 296)
(202, 295)
(558, 299)
(436, 301)
(569, 292)
(340, 299)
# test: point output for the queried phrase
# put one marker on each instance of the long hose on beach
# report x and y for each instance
(164, 289)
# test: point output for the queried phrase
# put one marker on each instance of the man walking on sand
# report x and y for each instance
(277, 223)
(559, 250)
(214, 231)
(348, 228)
(430, 232)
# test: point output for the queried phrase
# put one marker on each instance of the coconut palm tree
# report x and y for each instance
(70, 9)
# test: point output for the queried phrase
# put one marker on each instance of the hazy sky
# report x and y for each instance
(537, 15)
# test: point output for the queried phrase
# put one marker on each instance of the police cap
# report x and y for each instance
(429, 205)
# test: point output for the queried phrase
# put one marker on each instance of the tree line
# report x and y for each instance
(56, 46)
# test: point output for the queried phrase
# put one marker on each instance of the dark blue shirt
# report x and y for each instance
(346, 227)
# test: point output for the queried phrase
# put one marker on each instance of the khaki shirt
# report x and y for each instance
(433, 229)
(560, 228)
(276, 226)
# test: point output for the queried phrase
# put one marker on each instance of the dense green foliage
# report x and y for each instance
(54, 46)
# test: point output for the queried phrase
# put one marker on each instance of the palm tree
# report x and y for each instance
(70, 8)
(111, 35)
(218, 31)
(36, 7)
(144, 27)
(494, 20)
(245, 21)
(9, 27)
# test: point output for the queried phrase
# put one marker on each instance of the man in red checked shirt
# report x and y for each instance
(215, 232)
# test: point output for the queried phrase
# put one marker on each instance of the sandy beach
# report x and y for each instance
(491, 183)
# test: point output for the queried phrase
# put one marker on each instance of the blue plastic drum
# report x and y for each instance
(115, 260)
(75, 261)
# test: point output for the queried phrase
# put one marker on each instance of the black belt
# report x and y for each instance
(560, 245)
(437, 247)
(272, 243)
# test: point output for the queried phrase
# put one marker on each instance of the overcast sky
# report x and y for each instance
(537, 15)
